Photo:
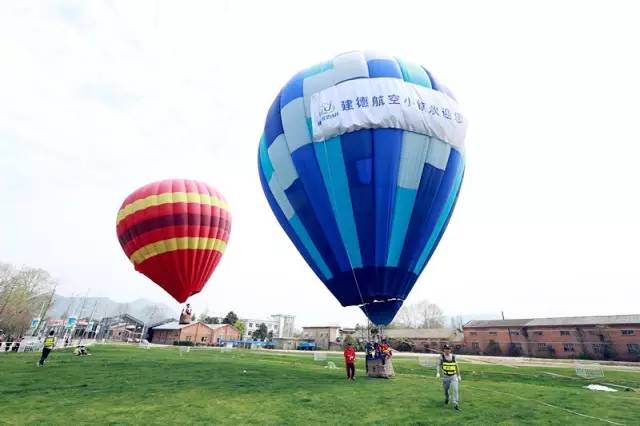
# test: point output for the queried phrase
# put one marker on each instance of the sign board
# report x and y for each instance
(71, 322)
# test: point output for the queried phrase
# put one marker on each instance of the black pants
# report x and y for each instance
(45, 354)
(351, 370)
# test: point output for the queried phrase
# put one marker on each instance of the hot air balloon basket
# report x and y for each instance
(375, 368)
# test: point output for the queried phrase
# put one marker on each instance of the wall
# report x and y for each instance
(591, 341)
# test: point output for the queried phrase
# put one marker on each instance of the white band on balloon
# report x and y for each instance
(368, 103)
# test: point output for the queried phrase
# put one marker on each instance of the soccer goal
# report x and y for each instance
(427, 361)
(589, 371)
(319, 356)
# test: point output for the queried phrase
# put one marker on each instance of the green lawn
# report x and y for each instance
(128, 385)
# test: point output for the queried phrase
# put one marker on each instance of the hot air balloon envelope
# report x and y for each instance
(175, 232)
(361, 161)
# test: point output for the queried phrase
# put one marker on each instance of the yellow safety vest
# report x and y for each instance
(49, 342)
(450, 368)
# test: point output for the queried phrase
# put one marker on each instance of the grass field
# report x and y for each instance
(129, 385)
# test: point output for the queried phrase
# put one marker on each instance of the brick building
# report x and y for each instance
(427, 339)
(615, 337)
(198, 332)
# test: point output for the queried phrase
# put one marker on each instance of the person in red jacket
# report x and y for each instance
(349, 361)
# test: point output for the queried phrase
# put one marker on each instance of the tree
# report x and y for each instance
(261, 332)
(204, 317)
(270, 335)
(25, 293)
(231, 318)
(240, 326)
(456, 322)
(349, 339)
(430, 314)
(420, 315)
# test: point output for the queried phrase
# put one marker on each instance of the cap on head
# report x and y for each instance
(51, 333)
(446, 347)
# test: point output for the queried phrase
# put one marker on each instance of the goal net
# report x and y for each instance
(589, 371)
(427, 361)
(319, 356)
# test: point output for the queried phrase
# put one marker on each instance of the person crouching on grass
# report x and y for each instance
(349, 361)
(451, 375)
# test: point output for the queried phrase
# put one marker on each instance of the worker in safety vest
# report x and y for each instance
(450, 375)
(349, 361)
(49, 343)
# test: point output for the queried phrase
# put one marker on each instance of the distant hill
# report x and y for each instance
(142, 309)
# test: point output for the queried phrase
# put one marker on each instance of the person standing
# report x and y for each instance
(349, 361)
(450, 375)
(49, 343)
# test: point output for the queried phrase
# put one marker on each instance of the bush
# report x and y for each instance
(182, 343)
(401, 345)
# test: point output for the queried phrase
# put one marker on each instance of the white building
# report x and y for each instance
(280, 325)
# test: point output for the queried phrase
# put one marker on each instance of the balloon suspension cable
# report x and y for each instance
(333, 196)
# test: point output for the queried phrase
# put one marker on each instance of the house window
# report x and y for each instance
(628, 332)
(542, 346)
(203, 339)
(473, 333)
(475, 346)
(250, 325)
(189, 338)
(517, 345)
(493, 333)
(514, 333)
(568, 347)
(598, 347)
(633, 348)
(565, 333)
(538, 333)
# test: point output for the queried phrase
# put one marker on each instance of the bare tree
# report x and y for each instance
(420, 315)
(456, 322)
(24, 294)
(430, 315)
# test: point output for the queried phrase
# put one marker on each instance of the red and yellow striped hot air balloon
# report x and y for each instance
(174, 232)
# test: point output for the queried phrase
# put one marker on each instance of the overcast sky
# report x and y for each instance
(99, 98)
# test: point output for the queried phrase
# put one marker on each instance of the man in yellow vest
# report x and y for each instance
(450, 375)
(49, 343)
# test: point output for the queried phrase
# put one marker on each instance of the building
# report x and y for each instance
(123, 327)
(615, 337)
(197, 332)
(281, 326)
(425, 339)
(324, 336)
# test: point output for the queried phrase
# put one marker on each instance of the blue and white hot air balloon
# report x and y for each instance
(361, 161)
